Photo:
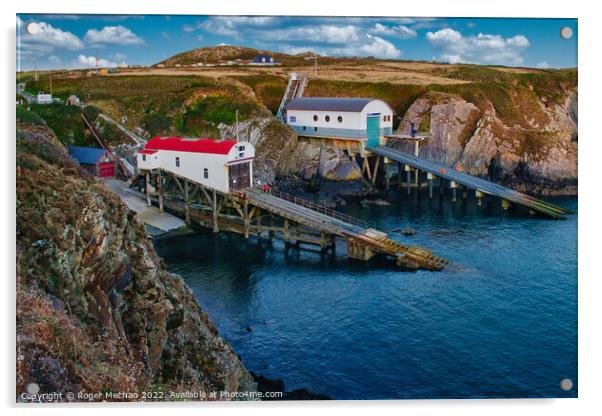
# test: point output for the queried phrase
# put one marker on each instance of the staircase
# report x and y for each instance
(296, 86)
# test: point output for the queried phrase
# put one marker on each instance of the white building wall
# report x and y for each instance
(351, 120)
(192, 165)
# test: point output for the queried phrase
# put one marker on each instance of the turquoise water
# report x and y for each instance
(499, 321)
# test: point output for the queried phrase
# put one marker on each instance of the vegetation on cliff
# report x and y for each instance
(96, 311)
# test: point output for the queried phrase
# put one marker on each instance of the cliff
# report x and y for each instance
(96, 310)
(533, 151)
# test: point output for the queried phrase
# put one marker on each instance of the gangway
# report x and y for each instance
(295, 88)
(479, 185)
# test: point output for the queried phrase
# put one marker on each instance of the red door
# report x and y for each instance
(106, 170)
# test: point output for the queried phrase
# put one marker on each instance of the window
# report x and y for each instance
(293, 119)
(340, 119)
(144, 158)
(315, 117)
(315, 129)
(304, 128)
(206, 173)
(327, 118)
(177, 162)
(241, 155)
(241, 148)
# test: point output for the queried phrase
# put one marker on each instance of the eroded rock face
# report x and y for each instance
(96, 309)
(538, 157)
(280, 153)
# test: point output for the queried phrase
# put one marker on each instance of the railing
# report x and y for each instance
(319, 208)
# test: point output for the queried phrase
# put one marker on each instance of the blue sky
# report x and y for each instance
(76, 41)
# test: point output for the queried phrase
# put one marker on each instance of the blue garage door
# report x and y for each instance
(373, 130)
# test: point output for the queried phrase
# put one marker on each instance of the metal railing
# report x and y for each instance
(319, 208)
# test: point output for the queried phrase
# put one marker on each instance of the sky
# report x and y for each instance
(77, 41)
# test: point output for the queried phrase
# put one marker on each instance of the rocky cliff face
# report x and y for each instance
(96, 310)
(535, 152)
(279, 154)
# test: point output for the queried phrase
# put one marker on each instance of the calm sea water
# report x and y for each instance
(499, 321)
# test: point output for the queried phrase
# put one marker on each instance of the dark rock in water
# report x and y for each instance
(408, 231)
(265, 385)
(249, 329)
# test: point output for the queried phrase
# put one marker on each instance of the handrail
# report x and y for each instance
(319, 208)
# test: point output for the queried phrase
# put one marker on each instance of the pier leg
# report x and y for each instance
(408, 169)
(186, 202)
(160, 189)
(453, 185)
(430, 177)
(399, 175)
(479, 196)
(214, 209)
(387, 177)
(285, 232)
(375, 171)
(246, 219)
(147, 188)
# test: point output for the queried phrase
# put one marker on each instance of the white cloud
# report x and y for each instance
(54, 59)
(543, 65)
(42, 33)
(117, 35)
(329, 34)
(399, 31)
(231, 25)
(368, 45)
(91, 61)
(482, 48)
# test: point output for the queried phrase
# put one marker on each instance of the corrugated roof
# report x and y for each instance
(86, 155)
(190, 145)
(328, 104)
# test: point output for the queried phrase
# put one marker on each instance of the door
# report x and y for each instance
(373, 130)
(240, 176)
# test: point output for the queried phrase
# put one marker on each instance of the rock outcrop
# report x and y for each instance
(96, 310)
(536, 154)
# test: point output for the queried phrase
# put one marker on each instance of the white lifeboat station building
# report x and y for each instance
(364, 119)
(224, 165)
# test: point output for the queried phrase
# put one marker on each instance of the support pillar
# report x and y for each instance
(160, 188)
(246, 217)
(430, 177)
(408, 170)
(285, 232)
(453, 185)
(479, 196)
(214, 209)
(186, 201)
(147, 188)
(399, 175)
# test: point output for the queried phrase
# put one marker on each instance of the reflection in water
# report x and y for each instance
(500, 321)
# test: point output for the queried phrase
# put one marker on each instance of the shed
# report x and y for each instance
(341, 118)
(97, 161)
(224, 165)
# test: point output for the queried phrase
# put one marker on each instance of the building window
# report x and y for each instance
(144, 158)
(241, 155)
(303, 128)
(315, 129)
(293, 119)
(177, 162)
(206, 173)
(340, 119)
(315, 117)
(327, 118)
(241, 148)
